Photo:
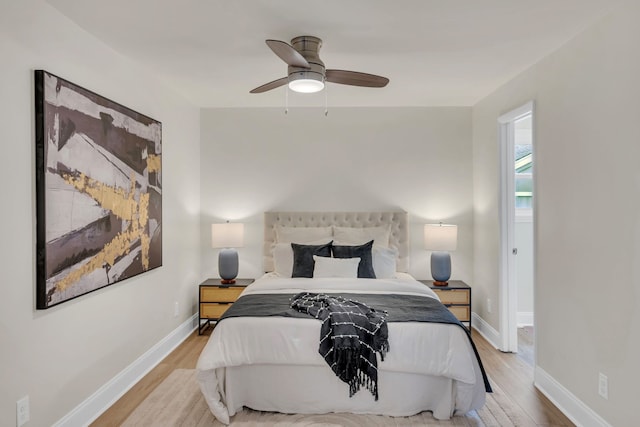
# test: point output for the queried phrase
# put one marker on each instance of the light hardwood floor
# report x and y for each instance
(526, 344)
(515, 401)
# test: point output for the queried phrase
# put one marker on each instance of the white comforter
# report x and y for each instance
(424, 348)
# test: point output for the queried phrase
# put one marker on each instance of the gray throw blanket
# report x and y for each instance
(350, 335)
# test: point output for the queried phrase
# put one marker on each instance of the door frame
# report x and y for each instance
(507, 290)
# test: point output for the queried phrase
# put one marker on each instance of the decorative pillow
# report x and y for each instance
(302, 235)
(336, 267)
(365, 267)
(384, 262)
(303, 263)
(283, 257)
(361, 235)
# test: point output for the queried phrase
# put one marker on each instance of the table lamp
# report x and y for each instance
(440, 238)
(227, 236)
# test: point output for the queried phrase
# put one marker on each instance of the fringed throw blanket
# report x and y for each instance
(350, 335)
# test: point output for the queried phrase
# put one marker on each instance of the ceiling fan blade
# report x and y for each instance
(287, 53)
(271, 85)
(354, 78)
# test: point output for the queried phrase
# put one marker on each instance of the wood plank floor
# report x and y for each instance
(515, 401)
(525, 344)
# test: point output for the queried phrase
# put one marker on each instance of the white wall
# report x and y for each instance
(355, 159)
(60, 356)
(587, 270)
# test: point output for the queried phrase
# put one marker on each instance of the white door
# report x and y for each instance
(516, 223)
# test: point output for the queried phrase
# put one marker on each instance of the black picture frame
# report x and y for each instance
(98, 191)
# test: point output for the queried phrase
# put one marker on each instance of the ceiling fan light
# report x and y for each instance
(306, 86)
(306, 82)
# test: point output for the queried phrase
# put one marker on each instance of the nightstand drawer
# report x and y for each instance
(453, 296)
(462, 312)
(213, 311)
(217, 294)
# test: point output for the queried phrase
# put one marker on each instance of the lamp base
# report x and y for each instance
(439, 283)
(228, 266)
(440, 267)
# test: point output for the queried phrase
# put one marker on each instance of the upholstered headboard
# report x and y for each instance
(398, 220)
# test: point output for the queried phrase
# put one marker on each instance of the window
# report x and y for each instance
(523, 163)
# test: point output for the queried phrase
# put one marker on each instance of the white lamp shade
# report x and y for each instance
(227, 235)
(440, 237)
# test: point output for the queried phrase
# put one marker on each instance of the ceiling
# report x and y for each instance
(435, 52)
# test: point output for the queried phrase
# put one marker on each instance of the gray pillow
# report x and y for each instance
(303, 263)
(365, 268)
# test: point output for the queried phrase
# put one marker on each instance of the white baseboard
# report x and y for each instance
(486, 330)
(525, 318)
(576, 410)
(86, 412)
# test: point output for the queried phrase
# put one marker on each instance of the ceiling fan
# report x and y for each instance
(306, 71)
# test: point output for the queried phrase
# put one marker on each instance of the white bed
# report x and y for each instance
(273, 364)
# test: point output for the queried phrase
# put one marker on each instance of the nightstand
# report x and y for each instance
(215, 298)
(456, 296)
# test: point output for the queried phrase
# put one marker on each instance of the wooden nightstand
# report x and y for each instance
(215, 298)
(456, 296)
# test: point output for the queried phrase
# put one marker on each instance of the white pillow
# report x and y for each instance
(283, 259)
(384, 262)
(335, 267)
(302, 235)
(361, 235)
(283, 256)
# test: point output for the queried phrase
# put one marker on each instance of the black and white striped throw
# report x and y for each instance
(350, 336)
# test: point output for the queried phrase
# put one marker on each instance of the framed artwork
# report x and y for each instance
(98, 191)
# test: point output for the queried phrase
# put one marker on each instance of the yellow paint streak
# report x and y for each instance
(114, 199)
(143, 213)
(154, 162)
(107, 256)
(124, 206)
(143, 219)
(145, 244)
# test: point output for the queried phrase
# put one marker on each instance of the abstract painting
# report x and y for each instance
(98, 191)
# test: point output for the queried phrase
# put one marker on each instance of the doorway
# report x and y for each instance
(517, 232)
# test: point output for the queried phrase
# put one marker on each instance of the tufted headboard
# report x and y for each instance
(398, 220)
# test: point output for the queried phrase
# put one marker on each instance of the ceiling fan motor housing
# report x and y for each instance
(309, 48)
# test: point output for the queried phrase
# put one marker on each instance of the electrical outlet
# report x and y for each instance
(22, 411)
(603, 386)
(489, 307)
(176, 309)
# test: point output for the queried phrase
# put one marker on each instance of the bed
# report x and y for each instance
(271, 362)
